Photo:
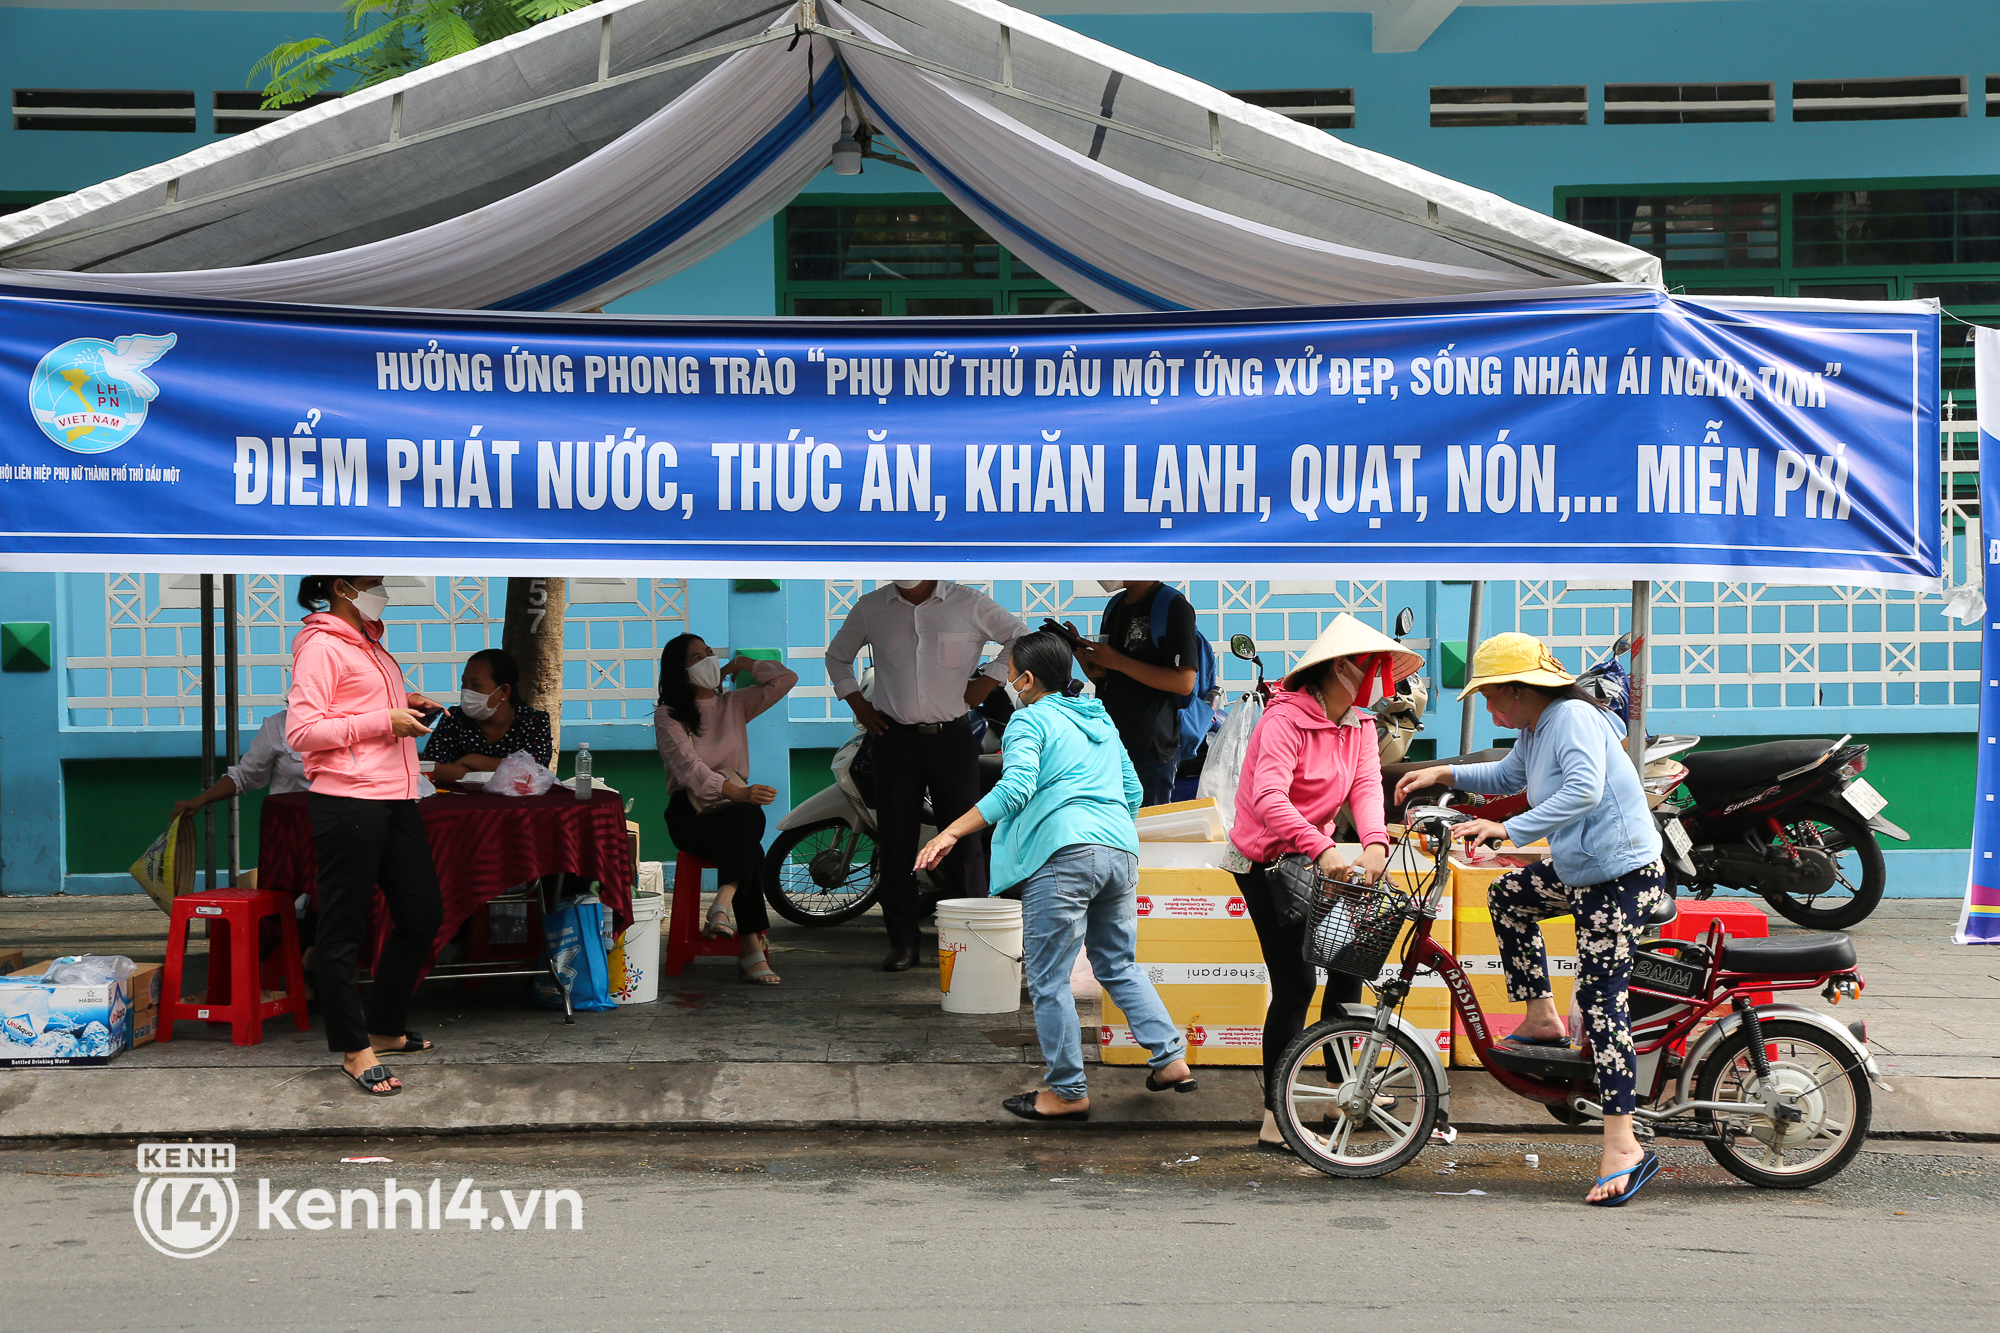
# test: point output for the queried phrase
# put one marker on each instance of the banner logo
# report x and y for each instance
(90, 396)
(182, 1210)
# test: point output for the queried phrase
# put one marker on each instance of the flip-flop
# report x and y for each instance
(1647, 1167)
(414, 1043)
(1188, 1084)
(1279, 1149)
(1550, 1042)
(373, 1077)
(1023, 1104)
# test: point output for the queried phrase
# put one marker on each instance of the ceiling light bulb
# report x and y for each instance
(846, 151)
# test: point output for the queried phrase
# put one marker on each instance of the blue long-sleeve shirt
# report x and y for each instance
(1583, 794)
(1064, 780)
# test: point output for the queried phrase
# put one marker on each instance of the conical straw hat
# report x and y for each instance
(1347, 637)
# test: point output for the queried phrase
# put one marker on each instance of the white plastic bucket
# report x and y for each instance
(979, 955)
(635, 959)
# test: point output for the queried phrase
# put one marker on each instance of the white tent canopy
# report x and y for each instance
(597, 153)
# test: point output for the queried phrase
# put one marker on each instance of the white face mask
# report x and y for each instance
(1112, 585)
(477, 706)
(907, 584)
(1014, 693)
(371, 604)
(706, 674)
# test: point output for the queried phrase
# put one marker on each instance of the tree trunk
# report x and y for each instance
(533, 635)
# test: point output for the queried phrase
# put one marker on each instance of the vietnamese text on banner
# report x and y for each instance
(1617, 433)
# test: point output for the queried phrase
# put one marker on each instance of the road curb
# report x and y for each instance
(583, 1097)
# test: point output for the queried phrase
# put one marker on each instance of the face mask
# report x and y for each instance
(1013, 693)
(371, 604)
(907, 584)
(1112, 585)
(706, 674)
(477, 706)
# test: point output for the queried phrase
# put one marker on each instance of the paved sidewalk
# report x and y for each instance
(839, 1043)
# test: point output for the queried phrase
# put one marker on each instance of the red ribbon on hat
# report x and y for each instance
(1375, 666)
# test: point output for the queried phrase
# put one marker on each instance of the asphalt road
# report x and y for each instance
(771, 1233)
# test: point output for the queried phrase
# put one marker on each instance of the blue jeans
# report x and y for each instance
(1084, 896)
(1157, 778)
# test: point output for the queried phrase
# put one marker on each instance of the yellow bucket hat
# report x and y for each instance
(1515, 657)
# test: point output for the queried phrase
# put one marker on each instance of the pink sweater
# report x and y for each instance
(1300, 769)
(695, 763)
(343, 686)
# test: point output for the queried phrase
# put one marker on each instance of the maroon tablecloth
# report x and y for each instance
(482, 845)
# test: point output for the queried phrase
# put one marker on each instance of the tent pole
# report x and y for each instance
(232, 730)
(1471, 647)
(208, 724)
(1642, 626)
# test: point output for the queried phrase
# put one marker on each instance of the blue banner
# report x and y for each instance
(1613, 433)
(1979, 922)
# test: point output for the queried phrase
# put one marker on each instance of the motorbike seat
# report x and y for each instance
(1818, 951)
(1663, 912)
(1390, 772)
(1718, 772)
(989, 772)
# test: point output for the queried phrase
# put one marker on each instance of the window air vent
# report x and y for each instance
(1321, 108)
(237, 112)
(103, 109)
(1687, 103)
(1562, 104)
(1878, 99)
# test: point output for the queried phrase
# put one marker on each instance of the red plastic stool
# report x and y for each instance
(1738, 918)
(235, 992)
(684, 937)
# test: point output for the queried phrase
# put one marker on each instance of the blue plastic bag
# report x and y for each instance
(579, 944)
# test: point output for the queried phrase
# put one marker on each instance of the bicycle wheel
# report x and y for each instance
(1351, 1121)
(1812, 1066)
(1858, 877)
(807, 882)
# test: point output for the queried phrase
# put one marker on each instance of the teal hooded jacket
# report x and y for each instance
(1064, 780)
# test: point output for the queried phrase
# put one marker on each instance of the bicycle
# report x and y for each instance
(1777, 1093)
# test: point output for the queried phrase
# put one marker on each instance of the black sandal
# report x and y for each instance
(1023, 1105)
(414, 1043)
(1188, 1084)
(372, 1079)
(1278, 1149)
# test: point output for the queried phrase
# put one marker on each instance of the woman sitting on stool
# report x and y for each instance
(713, 811)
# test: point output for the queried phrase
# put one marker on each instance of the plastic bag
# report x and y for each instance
(1223, 768)
(579, 944)
(520, 775)
(167, 867)
(91, 969)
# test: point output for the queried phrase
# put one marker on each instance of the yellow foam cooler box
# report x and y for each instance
(1479, 953)
(1197, 944)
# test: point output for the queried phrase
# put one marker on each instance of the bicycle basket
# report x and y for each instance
(1352, 927)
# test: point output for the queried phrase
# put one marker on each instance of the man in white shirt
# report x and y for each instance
(269, 762)
(928, 637)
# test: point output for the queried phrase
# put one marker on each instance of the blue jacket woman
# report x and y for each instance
(1063, 832)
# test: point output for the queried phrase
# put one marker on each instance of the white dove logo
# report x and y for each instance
(90, 396)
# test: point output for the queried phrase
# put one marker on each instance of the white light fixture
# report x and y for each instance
(846, 151)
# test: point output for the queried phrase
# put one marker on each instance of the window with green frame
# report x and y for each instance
(902, 254)
(1858, 240)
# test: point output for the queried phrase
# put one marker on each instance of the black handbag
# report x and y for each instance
(1294, 883)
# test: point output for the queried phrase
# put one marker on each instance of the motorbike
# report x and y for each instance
(1791, 821)
(822, 869)
(1779, 1094)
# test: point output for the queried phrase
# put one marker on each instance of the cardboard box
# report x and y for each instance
(146, 984)
(43, 1025)
(145, 1026)
(11, 960)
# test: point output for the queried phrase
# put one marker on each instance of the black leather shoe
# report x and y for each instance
(900, 959)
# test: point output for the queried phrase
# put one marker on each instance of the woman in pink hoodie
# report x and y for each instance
(353, 723)
(1313, 752)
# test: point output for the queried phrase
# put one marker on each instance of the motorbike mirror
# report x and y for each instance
(1243, 646)
(1423, 814)
(1623, 646)
(1406, 620)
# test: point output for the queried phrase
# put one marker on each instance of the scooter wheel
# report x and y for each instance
(1811, 1065)
(795, 891)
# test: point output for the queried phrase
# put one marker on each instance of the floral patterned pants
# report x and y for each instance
(1608, 920)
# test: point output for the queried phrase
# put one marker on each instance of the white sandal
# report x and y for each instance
(758, 973)
(720, 924)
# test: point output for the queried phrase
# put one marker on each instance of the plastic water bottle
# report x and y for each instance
(583, 785)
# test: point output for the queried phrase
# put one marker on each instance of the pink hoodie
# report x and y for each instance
(343, 686)
(1300, 769)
